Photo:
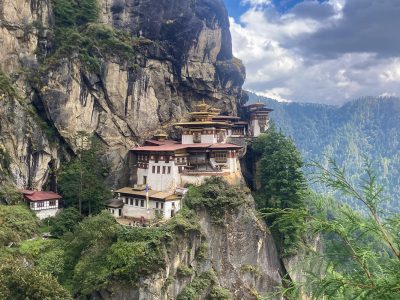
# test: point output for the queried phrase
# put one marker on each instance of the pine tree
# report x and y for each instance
(82, 180)
(359, 253)
(282, 184)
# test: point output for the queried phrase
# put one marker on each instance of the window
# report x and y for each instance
(167, 158)
(136, 202)
(144, 179)
(156, 158)
(153, 169)
(131, 201)
(53, 203)
(158, 169)
(173, 204)
(156, 204)
(162, 205)
(126, 200)
(169, 170)
(220, 157)
(197, 138)
(141, 203)
(40, 204)
(163, 169)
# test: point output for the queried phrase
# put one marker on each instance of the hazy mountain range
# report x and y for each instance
(364, 128)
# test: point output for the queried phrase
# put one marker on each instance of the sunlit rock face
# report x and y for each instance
(187, 57)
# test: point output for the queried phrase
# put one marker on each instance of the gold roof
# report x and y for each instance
(205, 123)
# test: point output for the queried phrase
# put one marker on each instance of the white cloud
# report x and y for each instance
(279, 94)
(256, 2)
(277, 69)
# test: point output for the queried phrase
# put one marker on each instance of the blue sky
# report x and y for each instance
(325, 51)
(237, 8)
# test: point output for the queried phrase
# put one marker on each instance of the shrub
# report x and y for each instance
(64, 222)
(216, 196)
(9, 194)
(18, 282)
(185, 271)
(17, 223)
(6, 87)
(219, 293)
(198, 286)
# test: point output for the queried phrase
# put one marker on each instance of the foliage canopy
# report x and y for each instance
(360, 255)
(282, 185)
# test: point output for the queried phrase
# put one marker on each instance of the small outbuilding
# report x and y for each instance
(43, 203)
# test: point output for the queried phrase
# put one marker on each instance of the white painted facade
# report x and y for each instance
(255, 127)
(160, 176)
(44, 209)
(116, 212)
(137, 208)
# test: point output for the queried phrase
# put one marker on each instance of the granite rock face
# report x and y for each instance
(24, 133)
(189, 59)
(241, 253)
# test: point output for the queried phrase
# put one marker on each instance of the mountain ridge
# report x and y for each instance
(366, 128)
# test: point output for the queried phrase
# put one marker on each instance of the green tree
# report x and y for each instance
(359, 256)
(82, 180)
(282, 184)
(64, 222)
(18, 282)
(17, 223)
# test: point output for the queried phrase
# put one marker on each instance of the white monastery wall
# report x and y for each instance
(45, 213)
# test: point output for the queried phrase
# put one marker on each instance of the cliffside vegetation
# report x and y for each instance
(282, 186)
(17, 223)
(77, 31)
(82, 179)
(6, 87)
(217, 197)
(359, 256)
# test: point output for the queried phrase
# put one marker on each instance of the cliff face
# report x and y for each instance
(188, 59)
(23, 135)
(241, 253)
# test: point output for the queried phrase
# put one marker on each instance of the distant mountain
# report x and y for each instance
(367, 127)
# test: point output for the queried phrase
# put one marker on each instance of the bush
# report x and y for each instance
(198, 286)
(216, 196)
(184, 222)
(9, 194)
(17, 223)
(18, 282)
(64, 222)
(185, 271)
(219, 293)
(78, 33)
(6, 87)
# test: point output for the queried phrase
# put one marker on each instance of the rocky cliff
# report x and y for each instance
(184, 55)
(240, 256)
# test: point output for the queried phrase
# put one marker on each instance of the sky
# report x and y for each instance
(329, 51)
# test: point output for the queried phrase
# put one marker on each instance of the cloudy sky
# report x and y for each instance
(318, 51)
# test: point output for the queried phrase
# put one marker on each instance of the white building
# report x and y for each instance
(165, 165)
(44, 204)
(259, 118)
(140, 205)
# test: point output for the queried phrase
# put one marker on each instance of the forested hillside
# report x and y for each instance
(362, 128)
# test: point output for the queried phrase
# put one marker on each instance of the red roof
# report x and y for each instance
(40, 196)
(175, 147)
